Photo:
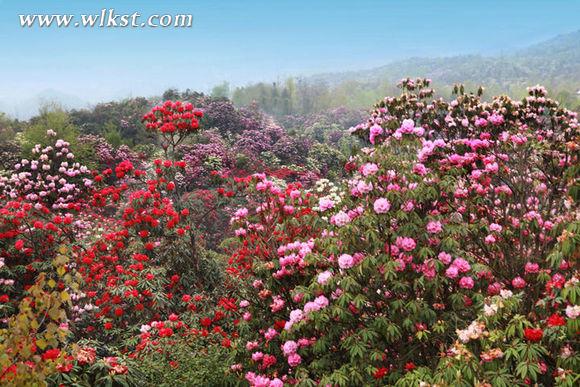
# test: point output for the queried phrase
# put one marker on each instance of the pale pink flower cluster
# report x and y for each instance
(381, 206)
(239, 215)
(53, 179)
(408, 127)
(473, 332)
(262, 381)
(343, 218)
(573, 311)
(458, 266)
(345, 261)
(324, 277)
(406, 243)
(374, 132)
(369, 169)
(292, 257)
(298, 315)
(434, 227)
(325, 204)
(277, 304)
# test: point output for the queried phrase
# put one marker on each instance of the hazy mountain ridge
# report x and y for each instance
(555, 62)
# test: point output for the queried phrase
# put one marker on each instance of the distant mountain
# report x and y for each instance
(554, 63)
(28, 107)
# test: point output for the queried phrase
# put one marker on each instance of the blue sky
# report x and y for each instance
(248, 41)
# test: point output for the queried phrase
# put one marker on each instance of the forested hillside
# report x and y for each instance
(554, 64)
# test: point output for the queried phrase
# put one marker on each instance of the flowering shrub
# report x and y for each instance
(53, 179)
(174, 121)
(105, 155)
(31, 344)
(446, 257)
(455, 203)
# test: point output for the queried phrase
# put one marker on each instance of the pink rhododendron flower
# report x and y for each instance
(434, 227)
(462, 265)
(375, 130)
(490, 239)
(324, 277)
(573, 311)
(518, 283)
(289, 347)
(381, 206)
(452, 272)
(531, 268)
(294, 360)
(369, 169)
(444, 257)
(340, 219)
(270, 334)
(406, 243)
(345, 261)
(466, 282)
(325, 204)
(257, 356)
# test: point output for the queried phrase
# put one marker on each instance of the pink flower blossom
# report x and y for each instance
(406, 243)
(444, 257)
(270, 334)
(325, 204)
(490, 239)
(381, 205)
(462, 265)
(369, 169)
(324, 277)
(294, 360)
(466, 283)
(573, 311)
(345, 261)
(434, 227)
(531, 268)
(257, 356)
(518, 283)
(289, 347)
(375, 131)
(451, 272)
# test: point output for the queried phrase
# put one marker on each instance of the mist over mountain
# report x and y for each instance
(26, 108)
(554, 63)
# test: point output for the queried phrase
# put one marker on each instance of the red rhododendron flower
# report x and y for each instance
(380, 373)
(533, 334)
(556, 320)
(19, 244)
(51, 354)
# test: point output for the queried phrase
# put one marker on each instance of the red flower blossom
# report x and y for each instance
(533, 335)
(19, 244)
(380, 373)
(51, 354)
(556, 320)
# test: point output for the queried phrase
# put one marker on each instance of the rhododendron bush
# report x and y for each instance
(446, 256)
(449, 258)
